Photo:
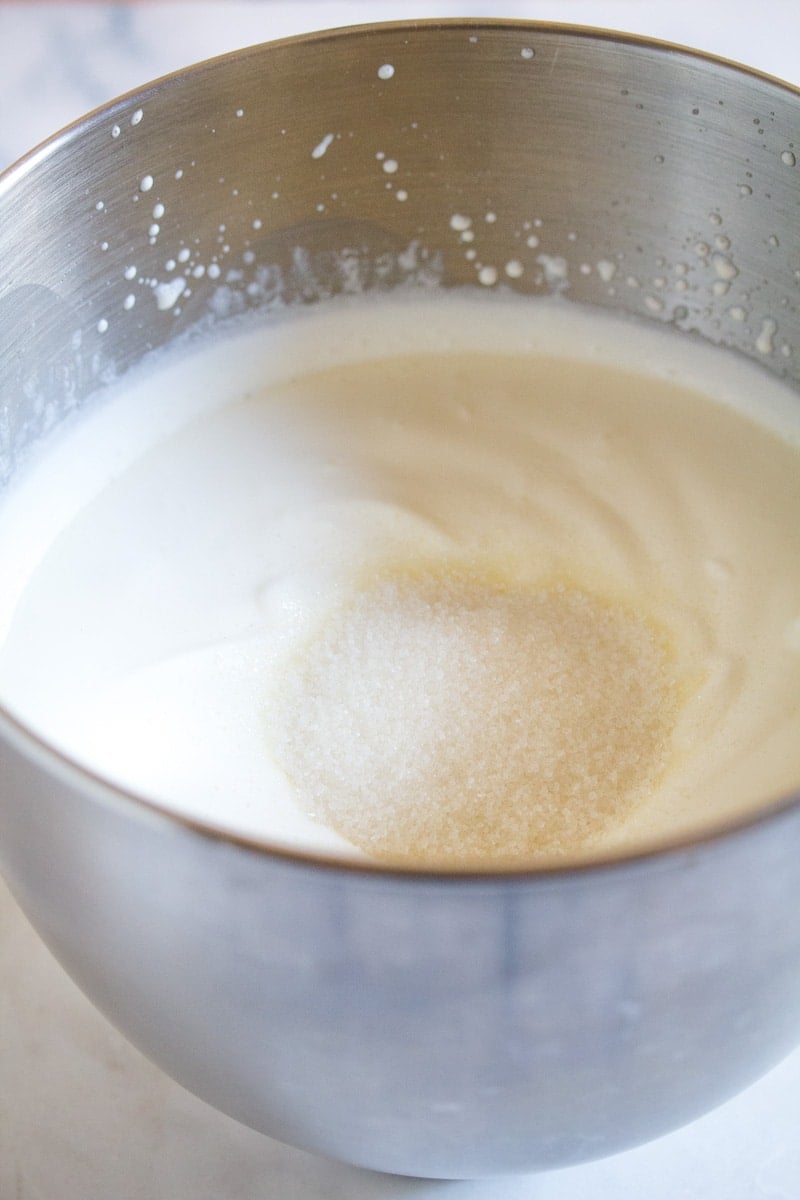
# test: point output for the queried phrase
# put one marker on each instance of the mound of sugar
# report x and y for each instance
(449, 720)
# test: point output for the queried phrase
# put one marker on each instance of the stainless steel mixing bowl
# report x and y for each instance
(416, 1023)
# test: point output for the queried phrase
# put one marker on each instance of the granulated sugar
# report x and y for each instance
(444, 718)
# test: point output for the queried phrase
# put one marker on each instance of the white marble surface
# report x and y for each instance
(82, 1115)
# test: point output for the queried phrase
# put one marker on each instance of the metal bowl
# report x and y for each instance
(438, 1025)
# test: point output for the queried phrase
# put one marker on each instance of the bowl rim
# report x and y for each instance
(597, 33)
(91, 784)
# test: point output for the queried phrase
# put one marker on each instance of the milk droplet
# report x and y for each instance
(146, 183)
(527, 52)
(129, 302)
(487, 276)
(184, 254)
(556, 270)
(514, 268)
(386, 71)
(737, 313)
(322, 146)
(532, 241)
(168, 292)
(390, 166)
(606, 270)
(490, 218)
(130, 272)
(115, 131)
(137, 116)
(102, 325)
(240, 112)
(725, 268)
(154, 230)
(459, 222)
(788, 159)
(402, 194)
(764, 342)
(745, 189)
(158, 211)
